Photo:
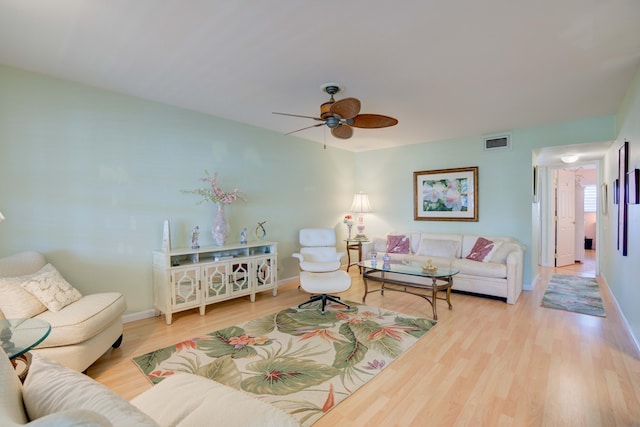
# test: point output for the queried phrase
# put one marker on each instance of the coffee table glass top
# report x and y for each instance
(18, 336)
(410, 268)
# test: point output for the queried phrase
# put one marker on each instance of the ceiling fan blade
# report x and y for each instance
(372, 121)
(297, 115)
(308, 127)
(343, 131)
(346, 108)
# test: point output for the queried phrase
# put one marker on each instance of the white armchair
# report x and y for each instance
(80, 332)
(319, 264)
(318, 252)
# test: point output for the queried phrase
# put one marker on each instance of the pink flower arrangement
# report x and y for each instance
(214, 193)
(348, 219)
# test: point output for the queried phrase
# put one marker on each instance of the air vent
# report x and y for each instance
(497, 142)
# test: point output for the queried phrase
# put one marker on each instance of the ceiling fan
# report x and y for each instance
(343, 115)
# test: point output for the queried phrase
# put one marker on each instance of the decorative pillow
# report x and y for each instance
(438, 248)
(398, 244)
(501, 254)
(51, 387)
(52, 290)
(483, 250)
(17, 303)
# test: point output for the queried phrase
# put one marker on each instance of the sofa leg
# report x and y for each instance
(118, 342)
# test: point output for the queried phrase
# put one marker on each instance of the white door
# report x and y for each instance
(565, 218)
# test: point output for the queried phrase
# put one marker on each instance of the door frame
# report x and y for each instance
(546, 235)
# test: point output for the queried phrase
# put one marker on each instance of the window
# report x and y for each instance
(590, 198)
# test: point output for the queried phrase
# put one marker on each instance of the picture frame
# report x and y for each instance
(446, 194)
(623, 165)
(633, 188)
(535, 184)
(604, 198)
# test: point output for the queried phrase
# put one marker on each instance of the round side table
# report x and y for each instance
(18, 336)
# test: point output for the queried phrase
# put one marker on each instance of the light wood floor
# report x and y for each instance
(486, 363)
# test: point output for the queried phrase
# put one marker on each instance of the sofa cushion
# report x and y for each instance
(11, 409)
(72, 418)
(16, 302)
(438, 248)
(483, 250)
(51, 387)
(82, 319)
(21, 263)
(190, 400)
(51, 289)
(480, 269)
(500, 255)
(398, 244)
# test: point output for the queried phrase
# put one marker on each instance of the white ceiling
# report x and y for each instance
(444, 69)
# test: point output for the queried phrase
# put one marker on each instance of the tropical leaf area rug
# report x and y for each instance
(574, 293)
(296, 359)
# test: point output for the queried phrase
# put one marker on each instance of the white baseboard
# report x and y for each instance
(627, 326)
(138, 315)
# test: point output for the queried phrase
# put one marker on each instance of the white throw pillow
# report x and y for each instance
(17, 303)
(51, 387)
(52, 290)
(438, 248)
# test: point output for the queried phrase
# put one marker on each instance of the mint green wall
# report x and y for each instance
(88, 176)
(504, 177)
(621, 272)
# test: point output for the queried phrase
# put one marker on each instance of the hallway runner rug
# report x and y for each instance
(296, 359)
(574, 293)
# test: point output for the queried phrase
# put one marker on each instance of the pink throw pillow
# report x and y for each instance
(398, 244)
(483, 250)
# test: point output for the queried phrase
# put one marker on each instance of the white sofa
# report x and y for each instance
(81, 331)
(56, 396)
(499, 275)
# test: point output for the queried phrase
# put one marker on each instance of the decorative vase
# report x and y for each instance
(349, 227)
(220, 229)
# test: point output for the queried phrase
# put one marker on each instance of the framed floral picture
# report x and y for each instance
(446, 195)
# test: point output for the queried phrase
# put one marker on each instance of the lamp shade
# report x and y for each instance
(1, 217)
(361, 203)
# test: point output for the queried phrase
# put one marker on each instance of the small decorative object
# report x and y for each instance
(348, 219)
(430, 268)
(195, 258)
(243, 236)
(166, 236)
(261, 233)
(195, 232)
(215, 194)
(221, 227)
(374, 259)
(386, 261)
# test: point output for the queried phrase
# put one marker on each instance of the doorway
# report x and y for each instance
(571, 240)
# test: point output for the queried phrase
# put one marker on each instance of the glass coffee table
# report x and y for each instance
(18, 336)
(409, 275)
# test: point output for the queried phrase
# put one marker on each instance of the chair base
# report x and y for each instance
(324, 298)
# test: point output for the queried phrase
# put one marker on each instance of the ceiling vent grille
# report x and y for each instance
(497, 142)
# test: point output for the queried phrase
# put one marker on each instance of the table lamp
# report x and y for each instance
(361, 206)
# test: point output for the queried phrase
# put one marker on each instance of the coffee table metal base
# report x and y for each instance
(402, 286)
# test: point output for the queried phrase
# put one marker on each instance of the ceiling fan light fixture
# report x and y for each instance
(343, 115)
(570, 158)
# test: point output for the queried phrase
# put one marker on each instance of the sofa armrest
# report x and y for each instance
(515, 272)
(190, 400)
